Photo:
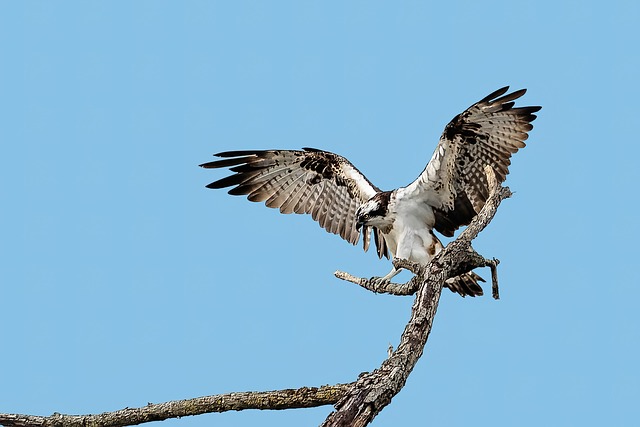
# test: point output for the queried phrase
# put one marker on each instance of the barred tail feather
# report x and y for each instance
(465, 284)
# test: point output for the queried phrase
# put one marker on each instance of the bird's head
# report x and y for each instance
(373, 212)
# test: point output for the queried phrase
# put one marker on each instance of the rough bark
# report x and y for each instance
(357, 403)
(305, 397)
(402, 289)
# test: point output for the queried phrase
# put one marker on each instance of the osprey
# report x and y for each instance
(448, 193)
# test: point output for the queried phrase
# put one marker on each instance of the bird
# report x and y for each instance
(448, 193)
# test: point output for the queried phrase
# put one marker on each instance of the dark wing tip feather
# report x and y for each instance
(227, 181)
(510, 97)
(497, 98)
(232, 158)
(240, 153)
(495, 94)
(224, 163)
(527, 113)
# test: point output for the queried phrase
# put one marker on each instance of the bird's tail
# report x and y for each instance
(465, 284)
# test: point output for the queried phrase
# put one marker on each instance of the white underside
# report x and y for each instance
(411, 236)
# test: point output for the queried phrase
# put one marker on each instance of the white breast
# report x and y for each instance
(411, 236)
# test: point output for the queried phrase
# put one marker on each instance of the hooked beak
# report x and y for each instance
(359, 224)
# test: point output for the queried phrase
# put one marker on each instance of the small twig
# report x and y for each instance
(493, 263)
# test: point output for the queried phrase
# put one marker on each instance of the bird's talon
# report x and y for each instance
(378, 281)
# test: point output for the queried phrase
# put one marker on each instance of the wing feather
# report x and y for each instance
(307, 181)
(288, 206)
(487, 133)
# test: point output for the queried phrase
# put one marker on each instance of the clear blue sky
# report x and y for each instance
(123, 280)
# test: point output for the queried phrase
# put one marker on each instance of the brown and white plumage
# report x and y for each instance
(487, 133)
(311, 181)
(448, 193)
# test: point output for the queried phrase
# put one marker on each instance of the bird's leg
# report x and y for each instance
(387, 278)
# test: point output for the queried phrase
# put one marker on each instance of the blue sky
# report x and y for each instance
(125, 281)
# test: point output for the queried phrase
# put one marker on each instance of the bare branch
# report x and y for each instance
(305, 397)
(493, 263)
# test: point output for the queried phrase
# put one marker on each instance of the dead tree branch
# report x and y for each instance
(305, 397)
(356, 403)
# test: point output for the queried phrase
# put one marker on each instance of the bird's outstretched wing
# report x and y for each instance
(487, 133)
(311, 181)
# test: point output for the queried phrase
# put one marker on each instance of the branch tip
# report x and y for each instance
(379, 286)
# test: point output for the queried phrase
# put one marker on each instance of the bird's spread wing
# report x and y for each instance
(315, 182)
(487, 133)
